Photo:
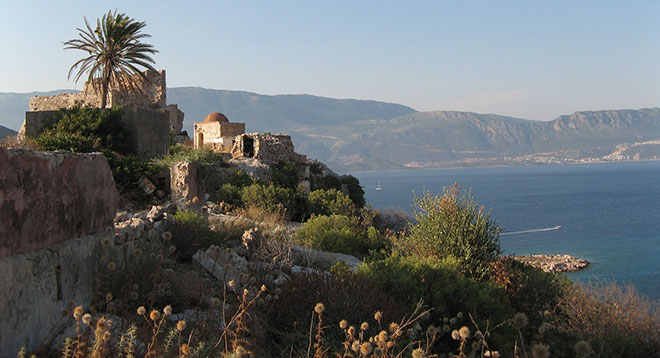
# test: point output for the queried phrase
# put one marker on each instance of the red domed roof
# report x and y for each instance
(216, 117)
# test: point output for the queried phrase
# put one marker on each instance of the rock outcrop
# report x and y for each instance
(50, 197)
(554, 263)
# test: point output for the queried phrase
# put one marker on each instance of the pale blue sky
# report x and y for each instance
(529, 59)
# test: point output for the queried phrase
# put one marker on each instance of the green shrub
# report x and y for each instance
(530, 289)
(285, 174)
(345, 296)
(453, 225)
(228, 193)
(340, 233)
(86, 129)
(127, 170)
(179, 153)
(355, 191)
(190, 233)
(328, 202)
(269, 197)
(442, 287)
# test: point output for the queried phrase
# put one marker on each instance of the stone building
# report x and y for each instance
(267, 148)
(217, 133)
(146, 113)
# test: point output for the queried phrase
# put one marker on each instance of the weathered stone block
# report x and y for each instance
(184, 181)
(150, 131)
(50, 197)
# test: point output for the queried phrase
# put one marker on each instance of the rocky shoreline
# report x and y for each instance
(554, 263)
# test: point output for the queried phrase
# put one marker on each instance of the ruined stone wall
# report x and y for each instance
(55, 208)
(271, 148)
(39, 286)
(50, 197)
(150, 94)
(34, 122)
(149, 131)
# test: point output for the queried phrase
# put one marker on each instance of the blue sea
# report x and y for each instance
(609, 214)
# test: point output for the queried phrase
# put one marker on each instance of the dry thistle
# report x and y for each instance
(366, 348)
(418, 353)
(87, 319)
(167, 310)
(540, 351)
(455, 335)
(77, 312)
(464, 332)
(520, 320)
(181, 325)
(141, 311)
(343, 324)
(364, 326)
(319, 308)
(351, 331)
(378, 316)
(154, 315)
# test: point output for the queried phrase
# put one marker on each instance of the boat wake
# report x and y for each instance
(531, 231)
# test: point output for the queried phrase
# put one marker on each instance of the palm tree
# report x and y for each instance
(114, 52)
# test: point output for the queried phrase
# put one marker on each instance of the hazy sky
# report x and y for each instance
(529, 59)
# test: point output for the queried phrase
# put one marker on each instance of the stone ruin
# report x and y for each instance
(267, 148)
(222, 136)
(146, 113)
(150, 94)
(217, 133)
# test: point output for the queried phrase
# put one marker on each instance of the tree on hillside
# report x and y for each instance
(114, 53)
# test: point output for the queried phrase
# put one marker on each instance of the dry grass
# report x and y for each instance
(611, 315)
(20, 142)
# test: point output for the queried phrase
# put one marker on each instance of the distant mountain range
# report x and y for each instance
(4, 132)
(354, 135)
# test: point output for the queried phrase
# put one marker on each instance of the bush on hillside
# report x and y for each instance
(190, 232)
(530, 289)
(270, 197)
(442, 287)
(86, 129)
(617, 320)
(355, 191)
(453, 225)
(340, 233)
(285, 174)
(179, 153)
(328, 202)
(345, 296)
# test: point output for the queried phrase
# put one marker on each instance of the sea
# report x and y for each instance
(606, 213)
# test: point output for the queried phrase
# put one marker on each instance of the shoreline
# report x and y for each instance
(554, 263)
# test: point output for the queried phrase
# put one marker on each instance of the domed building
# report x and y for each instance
(217, 133)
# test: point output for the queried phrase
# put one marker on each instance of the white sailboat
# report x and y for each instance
(379, 188)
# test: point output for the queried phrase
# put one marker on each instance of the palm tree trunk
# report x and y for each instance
(104, 88)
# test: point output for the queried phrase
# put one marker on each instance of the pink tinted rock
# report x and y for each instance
(50, 197)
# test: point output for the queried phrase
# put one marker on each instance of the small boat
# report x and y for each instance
(379, 188)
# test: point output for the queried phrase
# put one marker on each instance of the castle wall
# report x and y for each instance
(55, 208)
(150, 94)
(150, 131)
(49, 197)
